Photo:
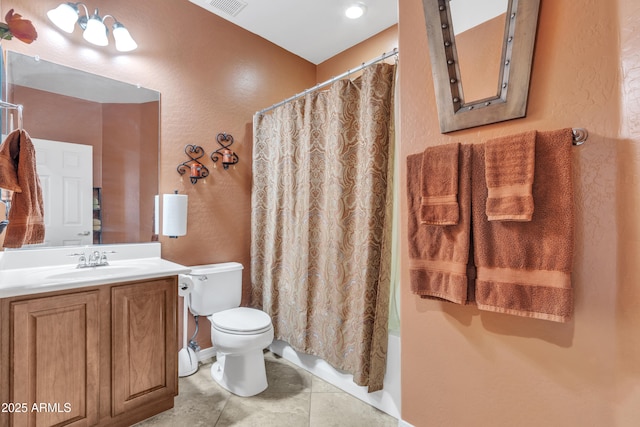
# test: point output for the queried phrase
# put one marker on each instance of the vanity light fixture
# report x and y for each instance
(66, 15)
(355, 11)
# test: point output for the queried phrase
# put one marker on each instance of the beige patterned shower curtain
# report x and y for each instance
(321, 222)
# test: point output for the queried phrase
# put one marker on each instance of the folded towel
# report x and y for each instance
(26, 216)
(509, 167)
(439, 254)
(524, 268)
(439, 185)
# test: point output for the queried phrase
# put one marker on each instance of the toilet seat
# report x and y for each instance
(241, 321)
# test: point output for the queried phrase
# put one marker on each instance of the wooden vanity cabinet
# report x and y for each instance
(104, 355)
(143, 335)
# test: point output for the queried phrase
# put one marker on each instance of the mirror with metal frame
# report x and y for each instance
(503, 96)
(120, 123)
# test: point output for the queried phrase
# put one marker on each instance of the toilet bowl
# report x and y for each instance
(238, 334)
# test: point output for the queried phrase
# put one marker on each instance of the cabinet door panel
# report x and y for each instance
(55, 354)
(143, 343)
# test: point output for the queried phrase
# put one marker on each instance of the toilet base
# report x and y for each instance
(241, 374)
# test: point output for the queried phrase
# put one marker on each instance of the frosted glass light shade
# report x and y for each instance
(96, 32)
(124, 41)
(355, 11)
(64, 17)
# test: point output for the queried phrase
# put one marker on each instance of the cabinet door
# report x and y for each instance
(55, 360)
(144, 336)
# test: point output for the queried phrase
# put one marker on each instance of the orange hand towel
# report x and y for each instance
(524, 268)
(509, 166)
(439, 254)
(439, 185)
(9, 151)
(26, 216)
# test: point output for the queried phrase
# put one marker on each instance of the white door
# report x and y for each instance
(66, 177)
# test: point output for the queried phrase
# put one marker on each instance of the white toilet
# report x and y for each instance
(239, 334)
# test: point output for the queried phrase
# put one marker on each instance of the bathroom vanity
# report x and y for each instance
(88, 346)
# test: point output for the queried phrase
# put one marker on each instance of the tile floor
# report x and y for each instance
(294, 398)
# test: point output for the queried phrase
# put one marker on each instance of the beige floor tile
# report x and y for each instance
(318, 385)
(341, 410)
(294, 398)
(191, 409)
(284, 377)
(267, 410)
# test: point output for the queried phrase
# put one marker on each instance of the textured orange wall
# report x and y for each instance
(373, 47)
(212, 76)
(464, 367)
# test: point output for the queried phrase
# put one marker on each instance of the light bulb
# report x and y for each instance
(64, 16)
(355, 11)
(96, 32)
(124, 41)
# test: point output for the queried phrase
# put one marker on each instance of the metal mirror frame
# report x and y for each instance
(510, 102)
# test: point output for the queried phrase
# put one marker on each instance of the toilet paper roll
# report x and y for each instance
(174, 214)
(185, 285)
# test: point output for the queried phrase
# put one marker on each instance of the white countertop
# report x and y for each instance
(33, 271)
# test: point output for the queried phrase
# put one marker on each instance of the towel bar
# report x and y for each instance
(580, 135)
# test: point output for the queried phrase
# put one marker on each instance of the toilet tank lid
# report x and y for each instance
(197, 270)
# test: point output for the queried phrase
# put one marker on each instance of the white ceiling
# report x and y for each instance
(315, 30)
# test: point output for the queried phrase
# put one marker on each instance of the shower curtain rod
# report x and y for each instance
(331, 80)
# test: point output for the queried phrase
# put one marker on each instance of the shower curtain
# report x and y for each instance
(321, 222)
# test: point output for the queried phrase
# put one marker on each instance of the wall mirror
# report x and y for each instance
(119, 124)
(481, 53)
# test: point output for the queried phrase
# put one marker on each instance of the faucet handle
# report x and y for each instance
(82, 259)
(103, 257)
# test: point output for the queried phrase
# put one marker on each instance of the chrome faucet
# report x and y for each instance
(96, 259)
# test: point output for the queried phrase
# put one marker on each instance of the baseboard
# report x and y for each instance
(206, 353)
(402, 423)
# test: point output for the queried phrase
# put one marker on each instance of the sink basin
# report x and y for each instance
(90, 272)
(54, 269)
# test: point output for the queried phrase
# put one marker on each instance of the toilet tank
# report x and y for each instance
(216, 287)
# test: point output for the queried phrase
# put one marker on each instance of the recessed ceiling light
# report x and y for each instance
(355, 11)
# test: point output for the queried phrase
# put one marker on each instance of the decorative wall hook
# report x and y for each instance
(223, 153)
(196, 169)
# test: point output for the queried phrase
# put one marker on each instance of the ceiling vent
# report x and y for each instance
(230, 7)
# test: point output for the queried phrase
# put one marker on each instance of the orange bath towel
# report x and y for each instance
(439, 254)
(509, 166)
(524, 268)
(18, 165)
(439, 185)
